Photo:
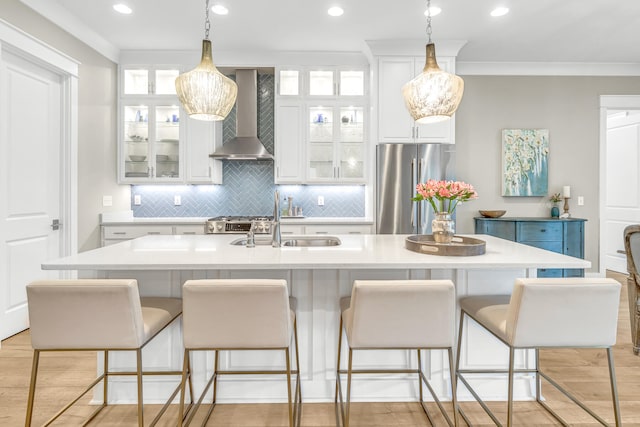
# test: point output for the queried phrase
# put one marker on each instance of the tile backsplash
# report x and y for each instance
(248, 186)
(246, 192)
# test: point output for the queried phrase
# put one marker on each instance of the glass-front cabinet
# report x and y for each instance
(336, 148)
(145, 80)
(321, 82)
(151, 142)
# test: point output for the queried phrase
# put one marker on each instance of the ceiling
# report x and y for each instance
(595, 31)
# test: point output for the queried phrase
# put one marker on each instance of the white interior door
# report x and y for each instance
(622, 197)
(30, 181)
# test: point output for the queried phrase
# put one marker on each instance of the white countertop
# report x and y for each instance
(384, 251)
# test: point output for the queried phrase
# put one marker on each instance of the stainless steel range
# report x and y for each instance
(238, 224)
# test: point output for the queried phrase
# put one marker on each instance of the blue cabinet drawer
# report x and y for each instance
(539, 231)
(550, 246)
(550, 272)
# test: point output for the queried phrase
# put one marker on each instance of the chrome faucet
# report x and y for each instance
(251, 241)
(276, 238)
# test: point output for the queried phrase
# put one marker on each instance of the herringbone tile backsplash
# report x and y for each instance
(248, 185)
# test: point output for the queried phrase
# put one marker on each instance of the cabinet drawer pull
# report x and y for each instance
(543, 230)
(120, 233)
(153, 232)
(620, 251)
(322, 232)
(354, 232)
(188, 232)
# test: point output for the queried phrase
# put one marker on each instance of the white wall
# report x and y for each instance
(96, 118)
(569, 108)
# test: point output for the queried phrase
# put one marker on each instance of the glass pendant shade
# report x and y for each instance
(204, 92)
(433, 95)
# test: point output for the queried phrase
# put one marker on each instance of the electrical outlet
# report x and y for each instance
(137, 200)
(320, 200)
(177, 200)
(580, 200)
(107, 201)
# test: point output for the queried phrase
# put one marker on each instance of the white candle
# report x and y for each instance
(566, 191)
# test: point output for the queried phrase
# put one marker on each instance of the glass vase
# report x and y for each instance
(555, 211)
(443, 227)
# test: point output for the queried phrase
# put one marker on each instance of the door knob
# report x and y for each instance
(55, 224)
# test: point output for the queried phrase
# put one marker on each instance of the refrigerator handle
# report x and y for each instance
(412, 189)
(420, 221)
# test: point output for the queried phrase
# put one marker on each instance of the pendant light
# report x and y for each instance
(434, 95)
(204, 92)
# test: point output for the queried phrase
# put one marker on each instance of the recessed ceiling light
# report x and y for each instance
(435, 10)
(500, 11)
(219, 9)
(122, 8)
(335, 11)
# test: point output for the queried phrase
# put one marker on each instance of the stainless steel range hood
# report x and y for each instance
(246, 145)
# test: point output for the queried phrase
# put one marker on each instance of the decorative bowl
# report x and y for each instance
(492, 214)
(137, 158)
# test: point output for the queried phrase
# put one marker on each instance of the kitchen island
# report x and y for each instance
(318, 277)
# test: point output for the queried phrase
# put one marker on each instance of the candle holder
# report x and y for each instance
(566, 213)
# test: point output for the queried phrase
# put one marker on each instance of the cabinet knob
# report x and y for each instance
(543, 230)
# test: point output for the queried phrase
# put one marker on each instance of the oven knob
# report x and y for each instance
(219, 227)
(261, 228)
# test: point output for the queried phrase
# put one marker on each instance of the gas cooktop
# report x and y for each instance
(239, 224)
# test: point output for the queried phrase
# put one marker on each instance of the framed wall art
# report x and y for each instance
(525, 160)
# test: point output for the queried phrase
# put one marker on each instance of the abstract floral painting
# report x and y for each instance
(525, 158)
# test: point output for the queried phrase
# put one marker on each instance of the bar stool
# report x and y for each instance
(393, 315)
(547, 313)
(96, 315)
(239, 314)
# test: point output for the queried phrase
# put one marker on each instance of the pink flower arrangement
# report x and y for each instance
(444, 196)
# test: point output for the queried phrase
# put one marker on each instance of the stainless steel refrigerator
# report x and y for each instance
(399, 168)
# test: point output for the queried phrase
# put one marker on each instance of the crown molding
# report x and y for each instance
(71, 24)
(546, 69)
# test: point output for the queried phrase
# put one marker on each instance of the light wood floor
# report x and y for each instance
(63, 375)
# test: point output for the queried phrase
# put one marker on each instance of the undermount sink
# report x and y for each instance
(259, 241)
(312, 241)
(301, 241)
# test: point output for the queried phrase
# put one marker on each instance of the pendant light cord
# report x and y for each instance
(428, 19)
(207, 23)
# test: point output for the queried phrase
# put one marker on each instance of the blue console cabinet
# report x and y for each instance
(565, 236)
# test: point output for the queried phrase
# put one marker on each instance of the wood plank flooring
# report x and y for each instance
(63, 375)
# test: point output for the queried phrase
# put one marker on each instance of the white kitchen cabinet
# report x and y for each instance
(203, 137)
(395, 124)
(321, 82)
(289, 143)
(189, 229)
(150, 135)
(320, 129)
(138, 80)
(158, 143)
(117, 233)
(291, 229)
(336, 144)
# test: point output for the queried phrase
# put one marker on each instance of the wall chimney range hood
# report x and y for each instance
(246, 145)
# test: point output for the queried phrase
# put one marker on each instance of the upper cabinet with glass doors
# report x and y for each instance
(150, 131)
(331, 103)
(321, 82)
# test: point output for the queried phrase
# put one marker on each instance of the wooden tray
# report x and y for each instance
(460, 246)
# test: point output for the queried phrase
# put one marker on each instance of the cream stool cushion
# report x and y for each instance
(400, 314)
(95, 314)
(543, 312)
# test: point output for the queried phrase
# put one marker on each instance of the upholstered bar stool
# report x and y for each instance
(100, 315)
(238, 314)
(632, 250)
(547, 313)
(397, 315)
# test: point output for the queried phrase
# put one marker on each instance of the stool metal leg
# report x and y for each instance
(105, 384)
(32, 387)
(614, 388)
(419, 376)
(298, 392)
(338, 362)
(510, 391)
(349, 372)
(290, 405)
(139, 377)
(185, 369)
(454, 398)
